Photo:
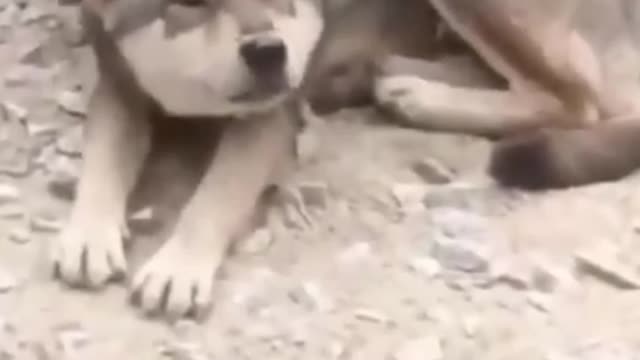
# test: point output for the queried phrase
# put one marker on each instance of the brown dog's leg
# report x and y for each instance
(178, 279)
(89, 250)
(436, 106)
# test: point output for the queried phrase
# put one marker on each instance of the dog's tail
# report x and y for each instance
(511, 50)
(560, 158)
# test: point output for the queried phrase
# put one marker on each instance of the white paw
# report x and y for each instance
(177, 281)
(402, 94)
(89, 253)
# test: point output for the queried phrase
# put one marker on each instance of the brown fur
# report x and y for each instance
(556, 158)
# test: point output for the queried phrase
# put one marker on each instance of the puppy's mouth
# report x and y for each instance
(264, 88)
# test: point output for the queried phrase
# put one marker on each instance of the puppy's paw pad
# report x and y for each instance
(175, 282)
(87, 255)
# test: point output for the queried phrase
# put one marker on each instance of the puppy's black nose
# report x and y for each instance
(264, 55)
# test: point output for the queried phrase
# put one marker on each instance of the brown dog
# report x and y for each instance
(558, 59)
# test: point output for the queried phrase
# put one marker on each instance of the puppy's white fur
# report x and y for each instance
(198, 72)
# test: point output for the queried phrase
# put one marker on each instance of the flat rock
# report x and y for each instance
(424, 348)
(603, 263)
(8, 281)
(433, 171)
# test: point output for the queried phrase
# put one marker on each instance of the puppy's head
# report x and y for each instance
(211, 57)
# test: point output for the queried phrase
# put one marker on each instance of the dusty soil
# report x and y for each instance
(393, 244)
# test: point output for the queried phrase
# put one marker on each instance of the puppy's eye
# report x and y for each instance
(190, 3)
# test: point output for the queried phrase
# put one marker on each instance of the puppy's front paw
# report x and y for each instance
(89, 253)
(177, 281)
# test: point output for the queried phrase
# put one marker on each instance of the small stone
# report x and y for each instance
(72, 102)
(258, 242)
(433, 172)
(355, 253)
(20, 236)
(8, 282)
(45, 223)
(513, 272)
(539, 300)
(8, 193)
(424, 348)
(16, 111)
(12, 211)
(470, 325)
(314, 194)
(182, 350)
(71, 142)
(410, 196)
(425, 266)
(603, 264)
(548, 277)
(71, 338)
(460, 256)
(371, 315)
(310, 296)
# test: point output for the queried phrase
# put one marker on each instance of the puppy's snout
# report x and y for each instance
(264, 54)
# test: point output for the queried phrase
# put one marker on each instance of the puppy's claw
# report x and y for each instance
(175, 283)
(88, 256)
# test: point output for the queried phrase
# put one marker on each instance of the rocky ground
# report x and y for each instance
(392, 244)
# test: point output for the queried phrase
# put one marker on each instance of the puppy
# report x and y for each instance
(234, 62)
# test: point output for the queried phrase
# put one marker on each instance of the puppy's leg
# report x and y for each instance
(436, 106)
(178, 279)
(89, 251)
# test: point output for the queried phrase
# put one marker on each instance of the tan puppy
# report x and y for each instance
(234, 62)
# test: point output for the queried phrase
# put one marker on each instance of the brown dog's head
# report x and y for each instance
(358, 36)
(211, 57)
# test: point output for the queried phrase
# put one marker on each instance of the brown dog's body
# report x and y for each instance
(559, 59)
(233, 64)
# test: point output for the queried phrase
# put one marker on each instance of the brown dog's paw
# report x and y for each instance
(525, 162)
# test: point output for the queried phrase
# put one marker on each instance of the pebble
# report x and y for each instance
(8, 193)
(72, 102)
(433, 171)
(602, 263)
(71, 337)
(424, 348)
(356, 253)
(410, 196)
(539, 300)
(16, 111)
(182, 350)
(460, 256)
(258, 242)
(20, 236)
(8, 282)
(71, 142)
(425, 266)
(371, 315)
(310, 296)
(45, 223)
(470, 325)
(314, 194)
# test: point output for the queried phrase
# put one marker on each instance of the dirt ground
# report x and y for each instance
(392, 243)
